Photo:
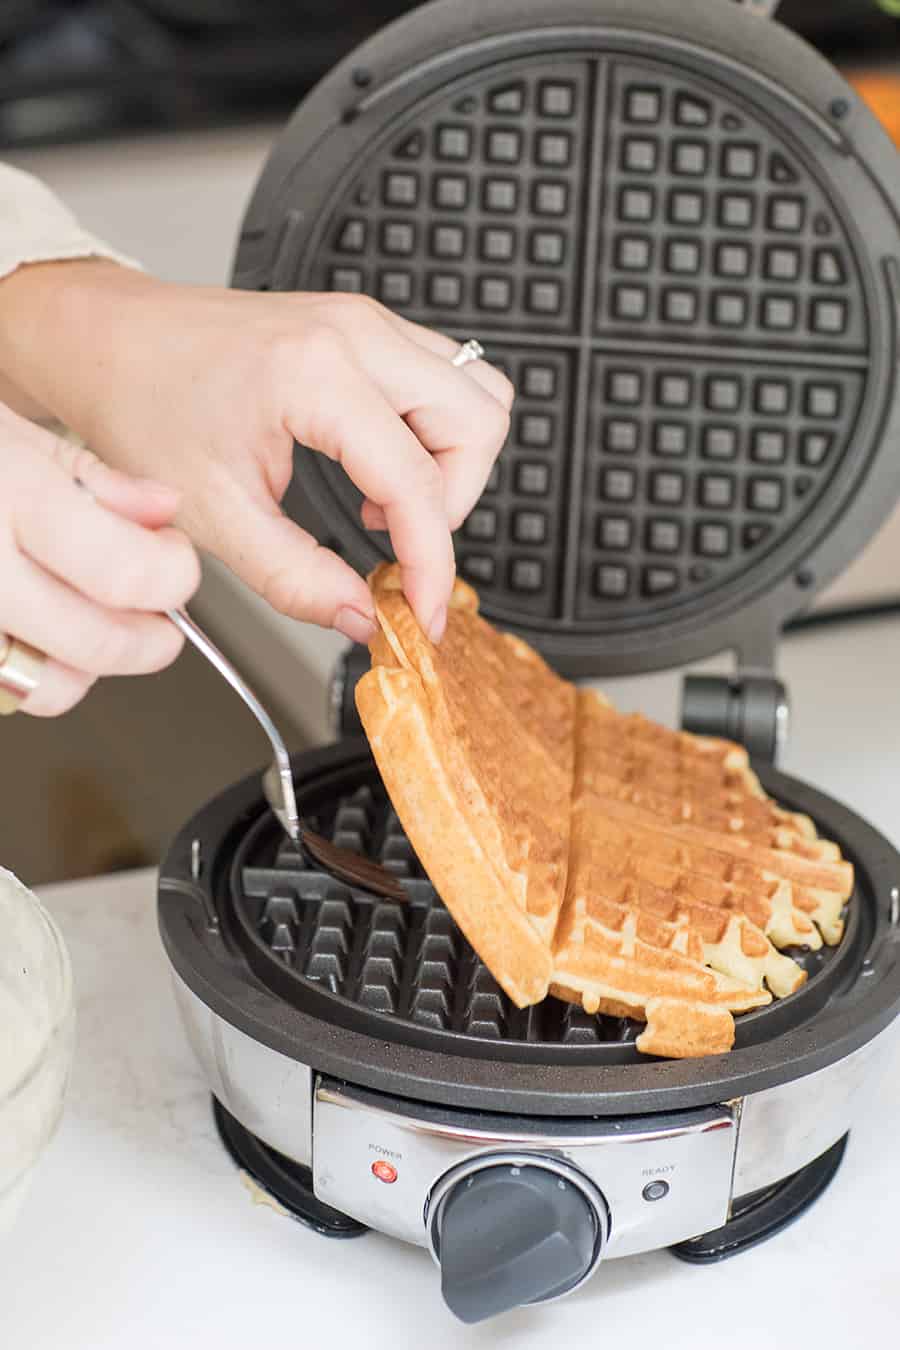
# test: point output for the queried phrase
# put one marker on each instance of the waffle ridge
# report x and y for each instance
(568, 864)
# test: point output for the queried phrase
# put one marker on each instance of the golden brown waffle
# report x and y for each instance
(475, 743)
(640, 853)
(639, 871)
(677, 776)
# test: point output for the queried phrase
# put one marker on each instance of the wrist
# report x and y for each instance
(58, 324)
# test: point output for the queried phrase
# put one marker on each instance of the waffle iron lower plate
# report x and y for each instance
(391, 996)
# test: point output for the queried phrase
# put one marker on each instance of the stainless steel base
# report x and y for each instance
(758, 1139)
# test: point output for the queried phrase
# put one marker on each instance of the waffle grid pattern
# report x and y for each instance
(674, 296)
(409, 961)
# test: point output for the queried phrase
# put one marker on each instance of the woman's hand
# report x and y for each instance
(207, 390)
(82, 573)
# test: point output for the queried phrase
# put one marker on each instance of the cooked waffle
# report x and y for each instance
(677, 776)
(639, 871)
(475, 743)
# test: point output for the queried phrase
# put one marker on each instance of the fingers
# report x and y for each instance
(60, 689)
(344, 415)
(141, 500)
(373, 518)
(82, 573)
(452, 416)
(290, 570)
(492, 380)
(55, 618)
(114, 561)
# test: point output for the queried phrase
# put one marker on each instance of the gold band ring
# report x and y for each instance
(20, 673)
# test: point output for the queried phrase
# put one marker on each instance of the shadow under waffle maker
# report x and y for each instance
(677, 228)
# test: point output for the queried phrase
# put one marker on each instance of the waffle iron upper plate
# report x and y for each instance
(677, 229)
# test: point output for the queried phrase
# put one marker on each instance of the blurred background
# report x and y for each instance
(151, 119)
(76, 68)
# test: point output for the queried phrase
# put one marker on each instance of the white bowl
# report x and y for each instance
(37, 1019)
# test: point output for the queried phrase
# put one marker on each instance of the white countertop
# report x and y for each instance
(139, 1233)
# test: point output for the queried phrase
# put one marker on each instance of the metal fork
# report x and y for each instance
(278, 782)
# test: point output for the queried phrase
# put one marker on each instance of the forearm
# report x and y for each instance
(39, 241)
(59, 323)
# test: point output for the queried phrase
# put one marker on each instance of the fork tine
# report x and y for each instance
(350, 867)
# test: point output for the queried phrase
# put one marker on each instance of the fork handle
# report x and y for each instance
(195, 635)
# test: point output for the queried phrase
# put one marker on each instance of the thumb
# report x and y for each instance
(292, 571)
(141, 500)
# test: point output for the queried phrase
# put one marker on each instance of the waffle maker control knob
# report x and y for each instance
(513, 1231)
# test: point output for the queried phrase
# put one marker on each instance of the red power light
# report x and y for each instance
(384, 1171)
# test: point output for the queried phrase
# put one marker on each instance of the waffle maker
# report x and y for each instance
(677, 229)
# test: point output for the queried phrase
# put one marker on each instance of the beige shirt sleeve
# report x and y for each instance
(35, 226)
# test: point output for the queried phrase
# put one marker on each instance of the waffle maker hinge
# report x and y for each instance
(750, 705)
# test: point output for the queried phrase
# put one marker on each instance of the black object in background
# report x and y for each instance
(845, 28)
(71, 69)
(75, 69)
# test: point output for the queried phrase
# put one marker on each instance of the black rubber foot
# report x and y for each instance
(287, 1182)
(761, 1215)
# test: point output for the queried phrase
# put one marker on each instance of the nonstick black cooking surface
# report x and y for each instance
(396, 1001)
(406, 969)
(618, 220)
(681, 269)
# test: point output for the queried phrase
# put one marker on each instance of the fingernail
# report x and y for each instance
(438, 624)
(355, 625)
